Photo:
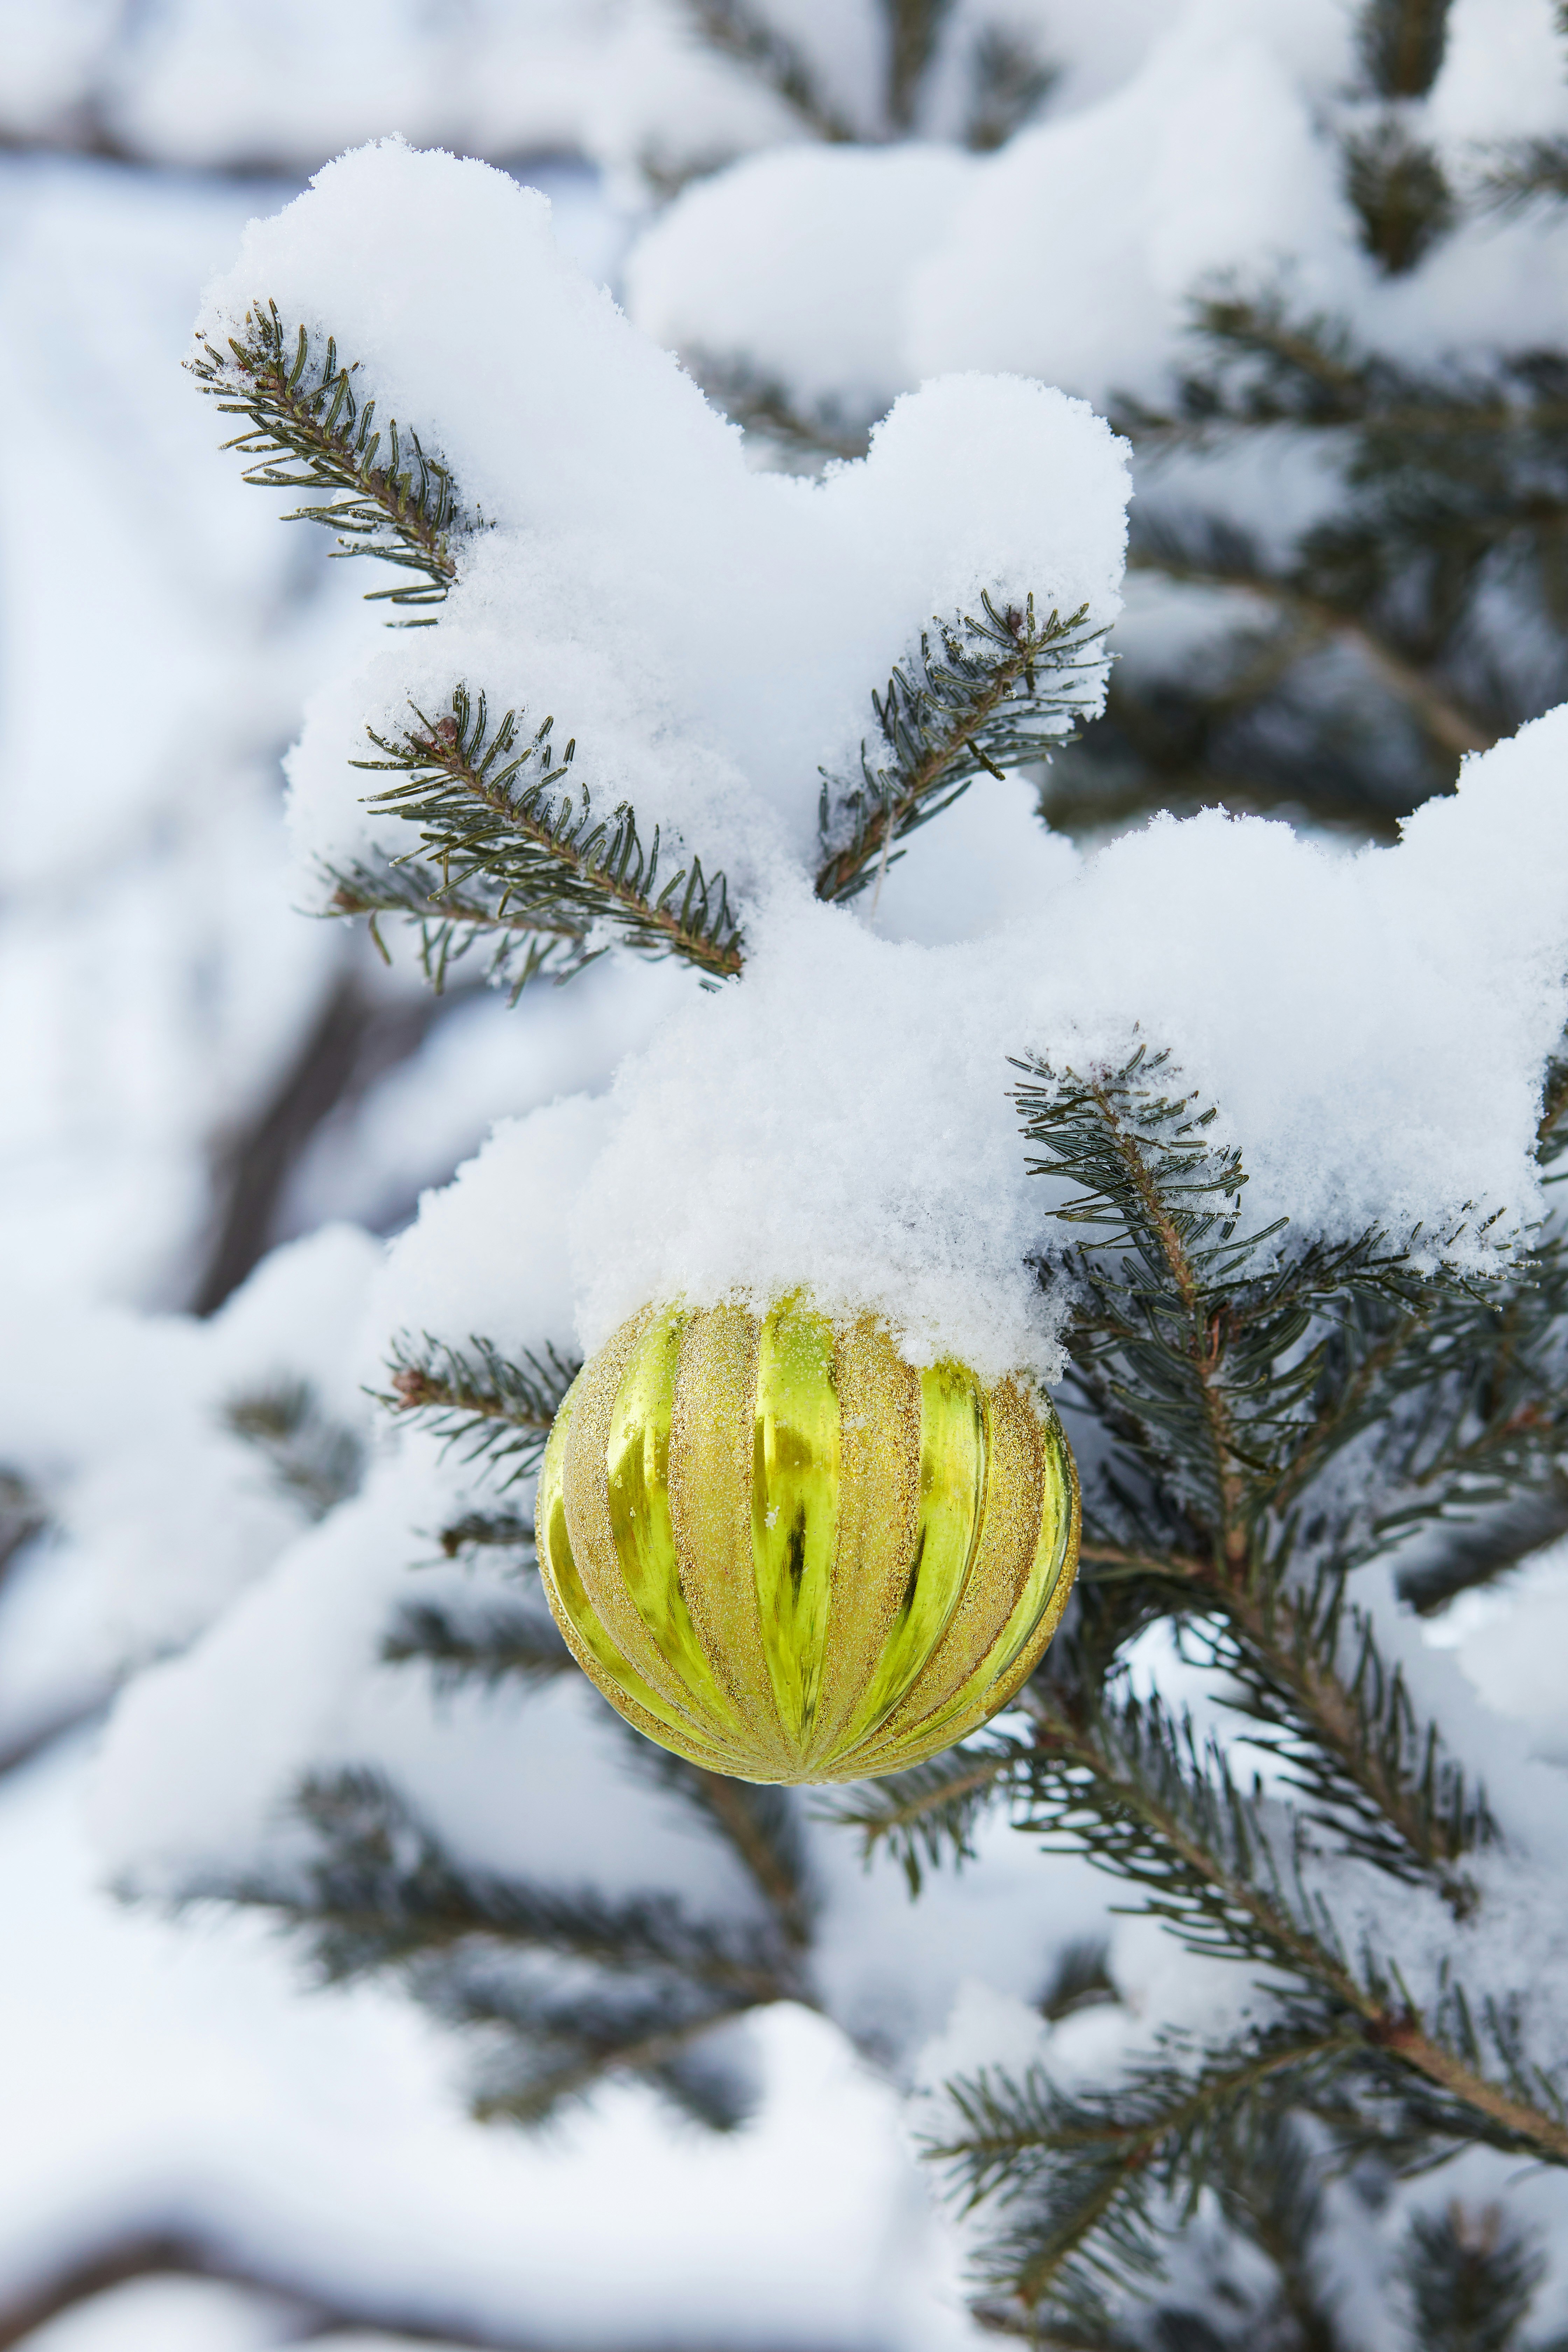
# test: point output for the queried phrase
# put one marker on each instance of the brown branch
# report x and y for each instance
(353, 897)
(320, 2312)
(439, 750)
(1404, 2039)
(725, 1800)
(882, 827)
(1398, 2033)
(1444, 721)
(353, 1041)
(23, 1748)
(1278, 1637)
(182, 2253)
(416, 1390)
(533, 2099)
(1206, 1346)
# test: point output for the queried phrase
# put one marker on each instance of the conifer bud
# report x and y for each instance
(787, 1554)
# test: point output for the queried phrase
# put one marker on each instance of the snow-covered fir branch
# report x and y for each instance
(384, 494)
(1209, 2116)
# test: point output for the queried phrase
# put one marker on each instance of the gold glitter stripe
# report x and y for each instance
(937, 1565)
(584, 1631)
(637, 1461)
(710, 1516)
(794, 1507)
(1011, 1649)
(595, 1538)
(880, 1493)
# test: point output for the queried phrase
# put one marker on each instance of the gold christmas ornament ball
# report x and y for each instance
(787, 1554)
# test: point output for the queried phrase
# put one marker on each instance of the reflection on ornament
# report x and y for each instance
(788, 1555)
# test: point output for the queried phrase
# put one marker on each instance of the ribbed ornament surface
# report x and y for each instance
(788, 1555)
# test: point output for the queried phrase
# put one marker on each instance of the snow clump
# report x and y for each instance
(842, 1118)
(708, 635)
(1074, 253)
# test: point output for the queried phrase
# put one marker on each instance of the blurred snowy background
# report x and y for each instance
(199, 2152)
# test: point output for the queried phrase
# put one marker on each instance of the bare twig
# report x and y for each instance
(319, 2311)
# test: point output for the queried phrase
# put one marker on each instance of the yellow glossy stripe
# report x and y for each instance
(636, 1464)
(583, 1629)
(585, 1483)
(1008, 1651)
(878, 1507)
(954, 1723)
(711, 1450)
(1005, 1541)
(795, 1506)
(952, 1484)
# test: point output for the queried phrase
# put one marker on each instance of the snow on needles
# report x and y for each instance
(842, 1118)
(710, 637)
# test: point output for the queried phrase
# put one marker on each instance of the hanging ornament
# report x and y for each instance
(788, 1555)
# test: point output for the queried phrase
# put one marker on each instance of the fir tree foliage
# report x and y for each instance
(1006, 80)
(747, 36)
(1425, 616)
(1225, 1380)
(1399, 192)
(307, 429)
(1402, 44)
(558, 1991)
(485, 1644)
(1264, 1417)
(1133, 2157)
(509, 856)
(512, 861)
(310, 1457)
(1080, 1979)
(914, 29)
(1394, 182)
(1376, 667)
(1260, 1419)
(490, 1408)
(1009, 82)
(1521, 172)
(1366, 658)
(993, 692)
(502, 1530)
(504, 858)
(1471, 2281)
(498, 1630)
